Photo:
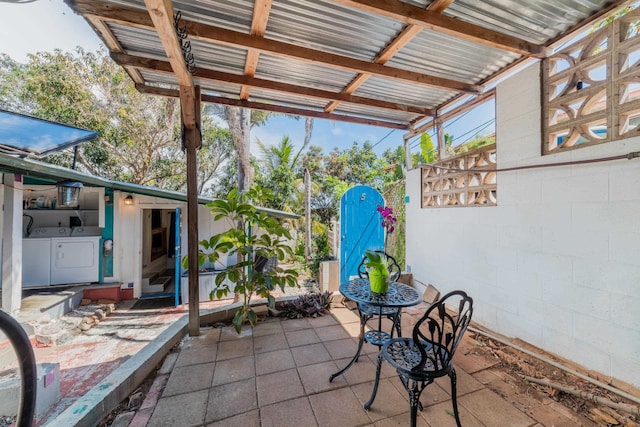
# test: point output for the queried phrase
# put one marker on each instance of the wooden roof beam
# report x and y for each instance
(207, 74)
(209, 33)
(433, 20)
(392, 48)
(468, 105)
(161, 13)
(439, 6)
(261, 9)
(233, 38)
(271, 107)
(113, 45)
(401, 40)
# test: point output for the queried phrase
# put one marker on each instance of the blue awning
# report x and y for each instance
(26, 135)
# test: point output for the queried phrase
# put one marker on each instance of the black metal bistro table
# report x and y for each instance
(359, 290)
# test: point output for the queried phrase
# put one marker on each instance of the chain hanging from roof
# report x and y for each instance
(182, 33)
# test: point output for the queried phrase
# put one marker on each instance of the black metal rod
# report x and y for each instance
(28, 375)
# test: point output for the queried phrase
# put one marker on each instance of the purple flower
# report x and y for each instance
(388, 220)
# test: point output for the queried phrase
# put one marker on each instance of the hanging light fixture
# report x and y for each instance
(128, 200)
(68, 194)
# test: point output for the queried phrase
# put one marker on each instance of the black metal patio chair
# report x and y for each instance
(368, 311)
(428, 354)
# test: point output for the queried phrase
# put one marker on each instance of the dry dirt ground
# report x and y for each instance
(515, 366)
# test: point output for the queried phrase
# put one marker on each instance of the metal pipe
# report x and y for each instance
(27, 361)
(558, 365)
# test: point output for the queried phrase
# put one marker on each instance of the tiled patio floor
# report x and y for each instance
(278, 375)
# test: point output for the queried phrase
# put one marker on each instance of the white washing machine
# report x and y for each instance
(75, 259)
(56, 256)
(36, 255)
(36, 262)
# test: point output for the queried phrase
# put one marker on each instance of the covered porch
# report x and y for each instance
(550, 261)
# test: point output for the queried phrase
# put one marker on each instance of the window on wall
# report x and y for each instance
(592, 88)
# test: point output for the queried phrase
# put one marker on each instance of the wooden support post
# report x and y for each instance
(192, 142)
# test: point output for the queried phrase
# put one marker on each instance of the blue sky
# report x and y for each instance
(45, 25)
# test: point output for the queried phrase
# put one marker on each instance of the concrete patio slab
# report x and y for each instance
(279, 386)
(338, 407)
(492, 410)
(231, 399)
(187, 379)
(181, 410)
(290, 386)
(278, 375)
(310, 354)
(231, 370)
(267, 343)
(242, 346)
(275, 361)
(289, 413)
(197, 355)
(301, 336)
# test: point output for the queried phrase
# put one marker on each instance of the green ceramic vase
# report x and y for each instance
(379, 283)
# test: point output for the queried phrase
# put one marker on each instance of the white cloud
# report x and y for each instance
(43, 26)
(336, 130)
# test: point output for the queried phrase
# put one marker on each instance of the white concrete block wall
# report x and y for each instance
(557, 262)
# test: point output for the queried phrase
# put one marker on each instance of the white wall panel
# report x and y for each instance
(557, 262)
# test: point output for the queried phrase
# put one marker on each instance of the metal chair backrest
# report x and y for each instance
(439, 332)
(392, 265)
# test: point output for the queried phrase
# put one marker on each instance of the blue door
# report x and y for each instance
(177, 254)
(360, 227)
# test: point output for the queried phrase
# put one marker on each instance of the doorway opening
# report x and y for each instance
(160, 229)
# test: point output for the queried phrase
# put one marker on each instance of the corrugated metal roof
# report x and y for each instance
(138, 40)
(302, 73)
(326, 44)
(209, 87)
(234, 15)
(228, 59)
(376, 113)
(330, 27)
(533, 20)
(38, 169)
(462, 59)
(425, 96)
(298, 101)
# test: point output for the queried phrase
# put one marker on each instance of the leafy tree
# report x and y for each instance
(240, 122)
(226, 179)
(477, 142)
(279, 176)
(335, 172)
(138, 135)
(355, 165)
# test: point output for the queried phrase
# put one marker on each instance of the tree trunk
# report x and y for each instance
(307, 211)
(239, 120)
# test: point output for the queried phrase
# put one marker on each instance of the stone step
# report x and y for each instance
(157, 285)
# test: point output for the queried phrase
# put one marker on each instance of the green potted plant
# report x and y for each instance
(377, 270)
(253, 238)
